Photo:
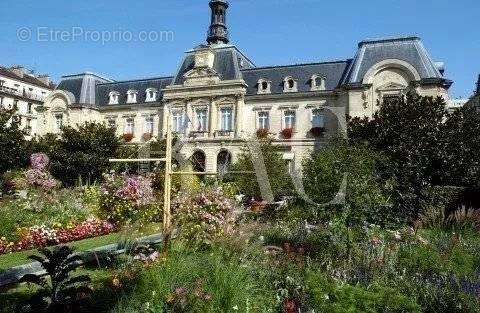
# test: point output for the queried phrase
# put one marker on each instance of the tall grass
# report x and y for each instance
(231, 287)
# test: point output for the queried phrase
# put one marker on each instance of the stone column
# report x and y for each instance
(239, 116)
(163, 129)
(189, 112)
(213, 112)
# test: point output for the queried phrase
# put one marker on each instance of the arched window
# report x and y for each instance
(113, 97)
(224, 160)
(132, 96)
(289, 84)
(318, 82)
(151, 95)
(263, 86)
(198, 161)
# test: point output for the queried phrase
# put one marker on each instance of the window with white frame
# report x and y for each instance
(132, 96)
(178, 121)
(113, 97)
(263, 120)
(263, 86)
(289, 84)
(289, 119)
(148, 125)
(28, 126)
(151, 95)
(1, 83)
(226, 119)
(29, 108)
(111, 123)
(1, 100)
(129, 126)
(318, 118)
(58, 122)
(318, 82)
(201, 120)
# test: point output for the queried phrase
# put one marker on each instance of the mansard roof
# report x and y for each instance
(27, 78)
(82, 86)
(408, 49)
(332, 71)
(103, 90)
(229, 61)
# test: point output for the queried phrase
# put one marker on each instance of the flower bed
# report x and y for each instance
(43, 236)
(262, 133)
(127, 137)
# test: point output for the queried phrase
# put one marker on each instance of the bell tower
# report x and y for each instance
(218, 32)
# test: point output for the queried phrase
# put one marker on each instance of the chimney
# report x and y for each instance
(44, 78)
(18, 70)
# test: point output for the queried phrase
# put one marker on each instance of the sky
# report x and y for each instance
(126, 40)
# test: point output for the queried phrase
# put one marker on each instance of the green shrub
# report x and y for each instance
(13, 146)
(332, 296)
(277, 172)
(366, 198)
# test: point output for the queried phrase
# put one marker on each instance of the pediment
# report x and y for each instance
(391, 86)
(200, 73)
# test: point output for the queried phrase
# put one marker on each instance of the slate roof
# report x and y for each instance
(82, 86)
(332, 71)
(28, 79)
(408, 49)
(229, 61)
(141, 86)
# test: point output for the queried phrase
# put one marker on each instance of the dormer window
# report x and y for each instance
(263, 86)
(113, 97)
(289, 84)
(151, 95)
(132, 96)
(318, 82)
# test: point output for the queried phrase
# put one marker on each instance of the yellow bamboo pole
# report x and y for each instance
(167, 218)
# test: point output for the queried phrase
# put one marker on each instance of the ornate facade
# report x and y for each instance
(218, 97)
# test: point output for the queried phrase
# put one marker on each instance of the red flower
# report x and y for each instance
(290, 306)
(127, 137)
(287, 133)
(262, 133)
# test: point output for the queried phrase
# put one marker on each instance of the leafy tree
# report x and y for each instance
(366, 194)
(13, 146)
(60, 292)
(461, 147)
(277, 170)
(80, 153)
(409, 131)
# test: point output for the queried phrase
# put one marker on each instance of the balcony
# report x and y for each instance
(24, 94)
(198, 134)
(224, 134)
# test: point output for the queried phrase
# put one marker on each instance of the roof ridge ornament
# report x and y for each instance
(218, 32)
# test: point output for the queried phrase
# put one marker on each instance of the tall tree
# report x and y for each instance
(13, 146)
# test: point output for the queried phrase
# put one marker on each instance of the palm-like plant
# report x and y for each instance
(58, 290)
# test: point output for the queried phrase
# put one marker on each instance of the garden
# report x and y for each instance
(406, 238)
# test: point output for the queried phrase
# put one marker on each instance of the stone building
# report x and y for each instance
(219, 96)
(26, 92)
(474, 101)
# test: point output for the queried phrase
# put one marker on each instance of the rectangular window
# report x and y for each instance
(1, 83)
(111, 123)
(318, 119)
(148, 125)
(15, 103)
(226, 119)
(29, 108)
(201, 120)
(58, 122)
(178, 121)
(129, 126)
(263, 120)
(1, 100)
(28, 126)
(289, 119)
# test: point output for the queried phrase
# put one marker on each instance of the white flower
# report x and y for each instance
(235, 308)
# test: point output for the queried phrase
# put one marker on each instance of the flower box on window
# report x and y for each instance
(287, 133)
(147, 136)
(262, 133)
(317, 131)
(127, 137)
